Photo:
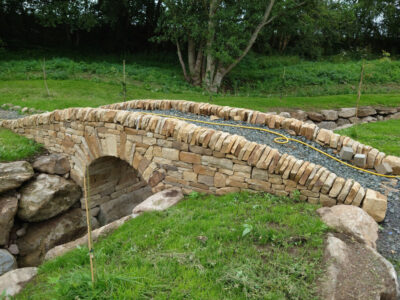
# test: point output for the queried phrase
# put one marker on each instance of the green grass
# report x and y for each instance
(384, 135)
(198, 249)
(82, 93)
(15, 147)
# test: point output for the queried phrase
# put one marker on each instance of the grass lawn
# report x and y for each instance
(84, 93)
(238, 246)
(384, 136)
(14, 147)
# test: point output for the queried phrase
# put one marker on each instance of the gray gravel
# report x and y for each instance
(9, 114)
(389, 237)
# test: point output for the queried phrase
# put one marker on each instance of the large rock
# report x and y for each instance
(327, 125)
(7, 262)
(356, 271)
(13, 174)
(351, 220)
(40, 237)
(317, 117)
(52, 164)
(14, 281)
(375, 204)
(96, 234)
(8, 209)
(46, 197)
(366, 111)
(123, 205)
(160, 201)
(330, 115)
(347, 112)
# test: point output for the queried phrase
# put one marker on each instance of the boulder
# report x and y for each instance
(386, 110)
(96, 234)
(14, 281)
(284, 114)
(160, 201)
(347, 112)
(341, 122)
(123, 205)
(13, 174)
(351, 220)
(299, 115)
(366, 111)
(395, 116)
(356, 271)
(330, 115)
(42, 236)
(327, 125)
(52, 164)
(317, 117)
(46, 197)
(8, 209)
(7, 262)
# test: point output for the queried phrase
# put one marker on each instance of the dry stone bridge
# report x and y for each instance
(130, 155)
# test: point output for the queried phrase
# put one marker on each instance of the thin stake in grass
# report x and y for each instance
(359, 96)
(86, 187)
(44, 76)
(124, 80)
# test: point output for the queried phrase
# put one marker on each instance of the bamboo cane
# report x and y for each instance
(86, 186)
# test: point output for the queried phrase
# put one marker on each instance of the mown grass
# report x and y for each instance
(14, 147)
(384, 135)
(83, 93)
(238, 246)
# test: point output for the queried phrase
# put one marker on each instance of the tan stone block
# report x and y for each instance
(189, 176)
(345, 191)
(379, 158)
(306, 174)
(301, 171)
(375, 204)
(371, 156)
(334, 141)
(325, 200)
(286, 174)
(208, 180)
(189, 157)
(281, 193)
(255, 155)
(309, 193)
(170, 153)
(219, 143)
(281, 162)
(259, 174)
(295, 169)
(328, 183)
(337, 187)
(316, 177)
(203, 170)
(324, 136)
(227, 190)
(275, 179)
(241, 174)
(263, 157)
(217, 162)
(235, 183)
(320, 182)
(241, 168)
(353, 193)
(219, 180)
(394, 163)
(359, 197)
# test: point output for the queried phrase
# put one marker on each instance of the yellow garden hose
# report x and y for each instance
(281, 139)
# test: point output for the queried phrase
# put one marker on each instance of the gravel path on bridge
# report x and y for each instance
(9, 114)
(389, 236)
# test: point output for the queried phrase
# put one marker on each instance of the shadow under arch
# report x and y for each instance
(115, 189)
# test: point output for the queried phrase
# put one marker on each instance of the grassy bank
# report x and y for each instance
(239, 246)
(14, 147)
(384, 136)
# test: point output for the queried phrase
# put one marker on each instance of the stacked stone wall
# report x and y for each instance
(168, 152)
(312, 132)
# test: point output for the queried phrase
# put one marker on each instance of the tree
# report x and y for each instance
(218, 34)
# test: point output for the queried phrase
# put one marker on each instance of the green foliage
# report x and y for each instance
(15, 147)
(196, 250)
(384, 135)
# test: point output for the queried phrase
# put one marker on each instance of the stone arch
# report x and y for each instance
(115, 188)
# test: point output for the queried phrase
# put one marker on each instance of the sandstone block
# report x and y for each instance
(346, 153)
(52, 164)
(360, 160)
(384, 168)
(14, 174)
(189, 157)
(330, 115)
(347, 112)
(366, 111)
(375, 204)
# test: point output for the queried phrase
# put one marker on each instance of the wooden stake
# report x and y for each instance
(124, 80)
(360, 87)
(86, 187)
(44, 76)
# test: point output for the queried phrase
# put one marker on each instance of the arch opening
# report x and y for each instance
(115, 189)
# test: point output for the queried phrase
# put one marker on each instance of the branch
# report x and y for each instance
(182, 62)
(264, 21)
